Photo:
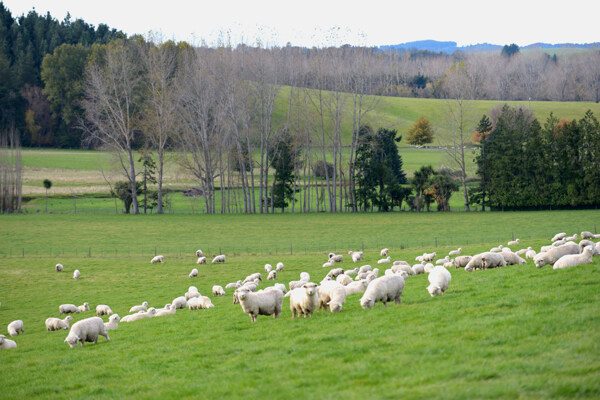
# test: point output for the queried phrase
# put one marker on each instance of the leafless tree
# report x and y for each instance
(10, 172)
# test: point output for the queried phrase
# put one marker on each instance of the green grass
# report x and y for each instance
(512, 332)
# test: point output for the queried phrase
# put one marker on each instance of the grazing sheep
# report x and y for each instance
(335, 258)
(7, 343)
(201, 260)
(442, 260)
(356, 255)
(455, 252)
(279, 267)
(523, 251)
(384, 252)
(55, 324)
(364, 268)
(587, 235)
(356, 287)
(493, 260)
(218, 290)
(86, 330)
(334, 273)
(476, 262)
(59, 267)
(332, 294)
(559, 236)
(84, 307)
(199, 253)
(461, 261)
(384, 289)
(15, 327)
(157, 259)
(304, 300)
(552, 255)
(418, 269)
(584, 243)
(68, 308)
(512, 258)
(194, 273)
(219, 259)
(179, 302)
(141, 307)
(572, 260)
(272, 276)
(384, 260)
(371, 276)
(169, 309)
(514, 242)
(192, 293)
(530, 254)
(113, 322)
(265, 302)
(344, 279)
(233, 285)
(268, 268)
(76, 274)
(304, 276)
(439, 279)
(103, 309)
(428, 256)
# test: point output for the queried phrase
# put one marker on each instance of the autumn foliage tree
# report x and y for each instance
(420, 133)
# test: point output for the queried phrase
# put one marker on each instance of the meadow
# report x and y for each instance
(512, 332)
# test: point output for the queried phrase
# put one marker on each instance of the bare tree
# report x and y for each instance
(10, 172)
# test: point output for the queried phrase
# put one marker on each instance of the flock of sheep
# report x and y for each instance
(305, 297)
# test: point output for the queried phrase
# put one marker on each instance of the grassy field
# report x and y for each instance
(512, 332)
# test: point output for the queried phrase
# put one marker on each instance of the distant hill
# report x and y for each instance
(450, 47)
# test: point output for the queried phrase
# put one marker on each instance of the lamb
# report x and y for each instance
(157, 259)
(219, 259)
(418, 269)
(335, 258)
(84, 307)
(512, 258)
(587, 235)
(384, 289)
(233, 285)
(140, 315)
(141, 307)
(304, 300)
(194, 273)
(86, 330)
(442, 260)
(455, 252)
(113, 322)
(356, 255)
(200, 303)
(384, 252)
(7, 343)
(199, 253)
(279, 267)
(461, 261)
(272, 276)
(514, 242)
(15, 327)
(103, 309)
(59, 267)
(55, 324)
(344, 279)
(169, 309)
(332, 294)
(523, 251)
(265, 302)
(218, 290)
(334, 273)
(384, 260)
(68, 308)
(530, 254)
(364, 268)
(559, 236)
(439, 279)
(493, 260)
(179, 302)
(552, 255)
(76, 274)
(201, 260)
(572, 260)
(356, 287)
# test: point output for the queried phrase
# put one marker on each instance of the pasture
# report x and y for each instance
(512, 332)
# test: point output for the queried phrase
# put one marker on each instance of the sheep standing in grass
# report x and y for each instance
(76, 274)
(141, 307)
(476, 262)
(233, 285)
(304, 300)
(428, 267)
(266, 302)
(199, 253)
(59, 267)
(84, 307)
(252, 277)
(418, 269)
(512, 258)
(218, 290)
(493, 260)
(356, 287)
(279, 286)
(219, 259)
(428, 257)
(113, 322)
(364, 268)
(193, 273)
(439, 279)
(15, 327)
(68, 308)
(157, 259)
(55, 324)
(332, 294)
(268, 268)
(344, 279)
(572, 260)
(384, 252)
(7, 343)
(384, 289)
(334, 273)
(103, 309)
(335, 257)
(272, 276)
(86, 330)
(356, 255)
(201, 260)
(552, 255)
(279, 267)
(179, 302)
(403, 267)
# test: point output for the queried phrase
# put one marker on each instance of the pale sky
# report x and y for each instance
(335, 22)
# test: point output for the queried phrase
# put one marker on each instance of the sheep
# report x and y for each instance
(476, 262)
(384, 252)
(179, 302)
(296, 284)
(268, 268)
(552, 255)
(442, 260)
(59, 267)
(356, 287)
(233, 285)
(384, 260)
(55, 324)
(332, 294)
(157, 259)
(279, 267)
(353, 271)
(401, 267)
(362, 275)
(493, 260)
(418, 269)
(559, 243)
(113, 322)
(364, 268)
(252, 277)
(76, 274)
(199, 253)
(401, 262)
(428, 256)
(251, 286)
(455, 252)
(193, 273)
(587, 235)
(86, 330)
(371, 276)
(335, 258)
(103, 309)
(545, 249)
(140, 315)
(304, 300)
(200, 303)
(7, 343)
(356, 255)
(329, 264)
(15, 327)
(523, 251)
(218, 290)
(192, 293)
(439, 279)
(272, 276)
(512, 258)
(84, 307)
(384, 289)
(201, 260)
(304, 276)
(141, 307)
(428, 267)
(266, 302)
(419, 258)
(279, 286)
(461, 261)
(334, 273)
(68, 308)
(496, 249)
(514, 242)
(344, 279)
(571, 238)
(219, 259)
(572, 260)
(559, 236)
(530, 254)
(584, 243)
(169, 309)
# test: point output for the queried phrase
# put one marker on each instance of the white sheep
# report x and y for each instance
(252, 277)
(84, 307)
(179, 302)
(364, 268)
(199, 303)
(402, 267)
(279, 267)
(455, 252)
(559, 243)
(559, 236)
(496, 249)
(55, 324)
(530, 254)
(272, 276)
(384, 289)
(304, 300)
(103, 309)
(157, 259)
(334, 273)
(193, 273)
(514, 242)
(113, 322)
(332, 294)
(356, 287)
(439, 279)
(233, 285)
(418, 269)
(442, 260)
(352, 271)
(304, 276)
(192, 293)
(265, 302)
(428, 267)
(571, 238)
(86, 330)
(523, 251)
(140, 315)
(344, 279)
(384, 252)
(218, 290)
(461, 261)
(512, 258)
(7, 343)
(279, 286)
(572, 260)
(401, 262)
(268, 268)
(356, 255)
(296, 284)
(584, 243)
(493, 260)
(428, 256)
(59, 267)
(329, 264)
(476, 262)
(384, 260)
(335, 258)
(76, 274)
(15, 327)
(141, 307)
(201, 260)
(168, 309)
(68, 308)
(219, 259)
(199, 253)
(553, 254)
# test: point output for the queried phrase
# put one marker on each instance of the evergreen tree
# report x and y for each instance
(283, 159)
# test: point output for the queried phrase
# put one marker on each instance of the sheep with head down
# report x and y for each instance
(383, 289)
(439, 280)
(332, 294)
(15, 327)
(7, 343)
(55, 324)
(553, 254)
(86, 330)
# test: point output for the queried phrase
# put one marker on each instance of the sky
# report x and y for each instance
(335, 22)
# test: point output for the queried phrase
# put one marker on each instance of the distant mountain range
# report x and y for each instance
(451, 47)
